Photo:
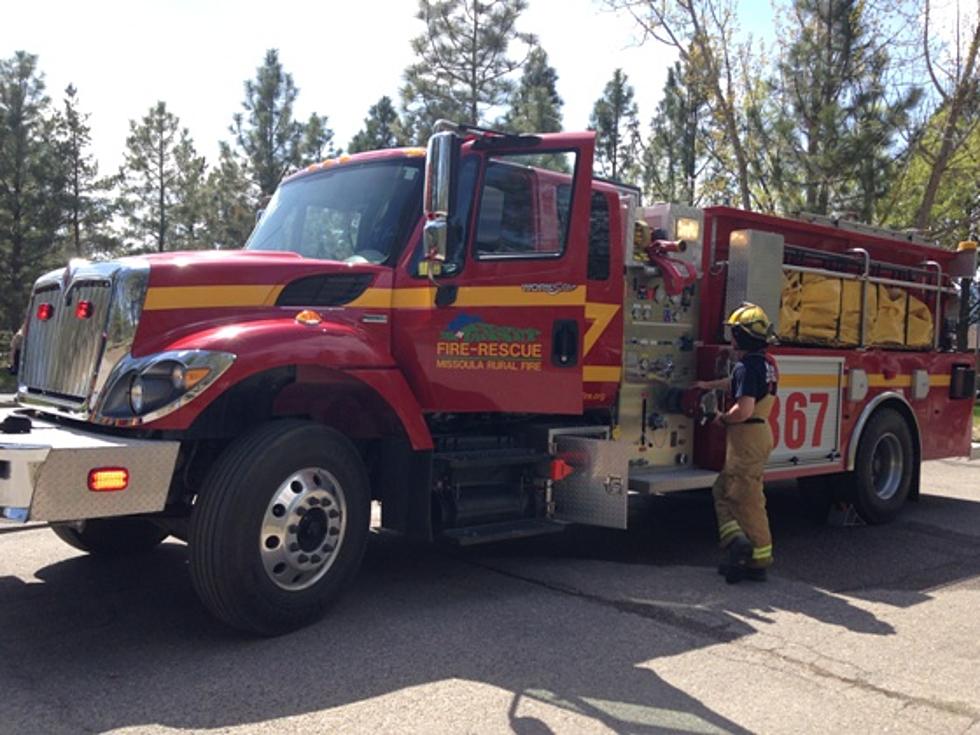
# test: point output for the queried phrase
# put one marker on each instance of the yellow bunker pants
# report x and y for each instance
(740, 504)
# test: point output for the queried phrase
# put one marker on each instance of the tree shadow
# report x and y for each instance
(568, 622)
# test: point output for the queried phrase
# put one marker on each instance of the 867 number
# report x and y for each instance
(790, 425)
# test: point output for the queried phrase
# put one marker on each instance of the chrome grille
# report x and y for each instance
(61, 354)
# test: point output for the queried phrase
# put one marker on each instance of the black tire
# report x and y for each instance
(111, 536)
(229, 530)
(883, 467)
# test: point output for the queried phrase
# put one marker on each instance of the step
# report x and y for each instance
(491, 458)
(503, 531)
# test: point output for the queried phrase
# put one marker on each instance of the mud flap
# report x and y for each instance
(595, 493)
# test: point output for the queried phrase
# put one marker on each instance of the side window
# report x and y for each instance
(524, 206)
(599, 238)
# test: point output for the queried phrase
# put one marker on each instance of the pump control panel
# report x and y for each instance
(658, 365)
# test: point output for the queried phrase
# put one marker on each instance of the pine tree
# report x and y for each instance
(89, 207)
(831, 80)
(32, 184)
(190, 197)
(150, 178)
(535, 106)
(463, 61)
(614, 118)
(702, 32)
(231, 197)
(674, 157)
(382, 129)
(317, 142)
(266, 132)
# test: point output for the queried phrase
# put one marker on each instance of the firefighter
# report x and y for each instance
(740, 504)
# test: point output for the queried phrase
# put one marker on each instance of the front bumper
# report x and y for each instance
(44, 473)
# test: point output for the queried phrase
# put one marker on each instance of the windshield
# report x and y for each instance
(356, 213)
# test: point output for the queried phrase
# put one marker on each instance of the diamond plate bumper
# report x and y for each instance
(44, 473)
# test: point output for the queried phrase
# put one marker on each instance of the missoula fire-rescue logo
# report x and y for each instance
(469, 343)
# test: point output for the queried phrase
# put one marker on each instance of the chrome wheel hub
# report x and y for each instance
(303, 528)
(887, 466)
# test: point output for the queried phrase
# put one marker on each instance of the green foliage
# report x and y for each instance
(32, 184)
(191, 197)
(317, 142)
(463, 61)
(675, 155)
(266, 133)
(161, 183)
(955, 215)
(88, 202)
(382, 129)
(614, 118)
(535, 105)
(231, 202)
(842, 119)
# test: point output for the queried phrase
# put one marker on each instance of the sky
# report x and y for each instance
(195, 55)
(125, 55)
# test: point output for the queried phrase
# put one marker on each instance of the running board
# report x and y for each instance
(504, 531)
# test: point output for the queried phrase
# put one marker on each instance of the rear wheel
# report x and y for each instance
(111, 536)
(280, 527)
(883, 467)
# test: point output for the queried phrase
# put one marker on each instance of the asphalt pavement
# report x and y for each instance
(858, 629)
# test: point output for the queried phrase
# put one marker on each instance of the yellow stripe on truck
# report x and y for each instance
(203, 297)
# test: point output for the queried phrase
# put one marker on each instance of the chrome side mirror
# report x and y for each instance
(441, 174)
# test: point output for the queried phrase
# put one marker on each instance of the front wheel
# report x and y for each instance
(883, 467)
(280, 527)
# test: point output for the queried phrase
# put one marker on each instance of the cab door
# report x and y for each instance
(502, 329)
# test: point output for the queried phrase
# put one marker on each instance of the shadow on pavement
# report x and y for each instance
(126, 643)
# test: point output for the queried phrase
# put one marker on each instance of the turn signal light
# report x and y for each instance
(83, 310)
(108, 479)
(309, 318)
(45, 312)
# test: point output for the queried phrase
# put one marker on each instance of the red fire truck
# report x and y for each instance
(485, 338)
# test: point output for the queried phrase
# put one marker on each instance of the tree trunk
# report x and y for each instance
(946, 148)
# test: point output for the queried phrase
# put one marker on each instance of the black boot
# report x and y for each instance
(734, 565)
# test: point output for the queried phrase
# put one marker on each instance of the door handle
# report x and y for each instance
(564, 343)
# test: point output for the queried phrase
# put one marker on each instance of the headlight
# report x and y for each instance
(136, 394)
(144, 389)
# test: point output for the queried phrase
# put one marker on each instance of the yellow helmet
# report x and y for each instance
(752, 319)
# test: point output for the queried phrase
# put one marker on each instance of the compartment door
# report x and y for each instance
(595, 494)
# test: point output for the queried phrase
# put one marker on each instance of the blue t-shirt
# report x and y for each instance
(755, 375)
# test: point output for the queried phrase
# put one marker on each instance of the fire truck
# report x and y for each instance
(483, 337)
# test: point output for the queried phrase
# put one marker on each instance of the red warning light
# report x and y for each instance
(83, 310)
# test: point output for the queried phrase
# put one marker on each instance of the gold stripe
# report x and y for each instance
(877, 380)
(373, 298)
(424, 297)
(201, 297)
(940, 381)
(601, 315)
(809, 381)
(601, 373)
(517, 296)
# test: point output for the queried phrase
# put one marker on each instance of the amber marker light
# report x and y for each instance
(108, 479)
(309, 317)
(45, 312)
